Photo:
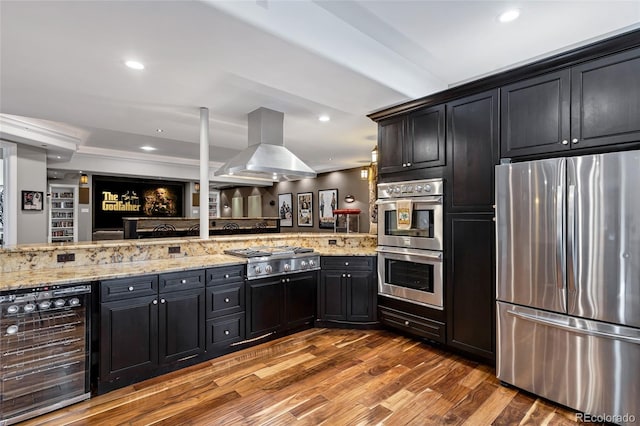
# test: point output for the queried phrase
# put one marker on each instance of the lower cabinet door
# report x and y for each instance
(223, 331)
(265, 307)
(361, 296)
(300, 290)
(333, 295)
(182, 317)
(128, 338)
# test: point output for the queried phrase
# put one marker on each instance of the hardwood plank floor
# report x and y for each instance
(321, 376)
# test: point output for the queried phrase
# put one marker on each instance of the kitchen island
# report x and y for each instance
(34, 265)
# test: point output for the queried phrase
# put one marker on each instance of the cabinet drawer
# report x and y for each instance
(225, 275)
(348, 262)
(223, 331)
(183, 280)
(225, 299)
(127, 288)
(412, 324)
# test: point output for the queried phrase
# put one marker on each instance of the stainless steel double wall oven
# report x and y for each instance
(410, 249)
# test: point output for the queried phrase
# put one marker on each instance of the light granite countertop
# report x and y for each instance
(30, 278)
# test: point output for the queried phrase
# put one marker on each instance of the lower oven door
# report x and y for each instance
(411, 275)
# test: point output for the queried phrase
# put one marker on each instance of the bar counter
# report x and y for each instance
(34, 265)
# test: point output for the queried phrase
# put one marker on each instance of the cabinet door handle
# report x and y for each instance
(226, 332)
(346, 263)
(226, 275)
(183, 281)
(344, 275)
(574, 140)
(288, 279)
(348, 275)
(408, 164)
(404, 164)
(130, 288)
(162, 301)
(565, 142)
(406, 323)
(226, 300)
(155, 301)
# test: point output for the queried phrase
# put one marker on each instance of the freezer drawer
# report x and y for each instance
(578, 363)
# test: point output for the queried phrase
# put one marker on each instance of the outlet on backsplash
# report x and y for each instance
(66, 257)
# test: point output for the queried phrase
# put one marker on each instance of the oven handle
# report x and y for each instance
(425, 254)
(437, 200)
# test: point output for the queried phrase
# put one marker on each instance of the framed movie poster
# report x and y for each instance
(305, 209)
(327, 203)
(285, 209)
(32, 200)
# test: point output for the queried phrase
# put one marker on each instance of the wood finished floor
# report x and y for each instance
(321, 376)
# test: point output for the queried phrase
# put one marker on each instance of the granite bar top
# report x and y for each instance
(36, 265)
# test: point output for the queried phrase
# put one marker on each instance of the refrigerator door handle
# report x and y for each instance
(571, 236)
(574, 328)
(560, 239)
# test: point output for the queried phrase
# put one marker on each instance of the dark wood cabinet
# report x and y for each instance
(181, 328)
(144, 331)
(265, 307)
(535, 115)
(605, 101)
(281, 304)
(412, 141)
(128, 339)
(473, 140)
(593, 104)
(225, 306)
(300, 295)
(348, 289)
(471, 284)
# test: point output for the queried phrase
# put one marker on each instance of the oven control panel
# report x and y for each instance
(414, 188)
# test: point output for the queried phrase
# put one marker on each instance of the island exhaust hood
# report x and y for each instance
(266, 157)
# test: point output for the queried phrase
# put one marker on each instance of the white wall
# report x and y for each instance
(32, 176)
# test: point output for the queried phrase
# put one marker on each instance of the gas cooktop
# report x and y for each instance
(262, 251)
(265, 261)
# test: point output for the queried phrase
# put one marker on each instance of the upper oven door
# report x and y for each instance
(426, 224)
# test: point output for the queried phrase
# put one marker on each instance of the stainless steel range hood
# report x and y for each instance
(266, 156)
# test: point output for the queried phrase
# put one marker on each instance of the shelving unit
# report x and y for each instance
(214, 203)
(63, 213)
(1, 213)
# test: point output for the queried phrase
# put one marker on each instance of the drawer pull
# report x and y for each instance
(183, 281)
(226, 332)
(348, 275)
(162, 301)
(226, 275)
(226, 300)
(344, 275)
(130, 288)
(406, 323)
(155, 302)
(346, 263)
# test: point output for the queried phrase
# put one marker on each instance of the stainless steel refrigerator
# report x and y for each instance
(568, 281)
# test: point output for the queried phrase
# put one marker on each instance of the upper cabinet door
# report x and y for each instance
(425, 144)
(472, 135)
(605, 102)
(390, 145)
(535, 115)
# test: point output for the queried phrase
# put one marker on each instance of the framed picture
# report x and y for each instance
(305, 209)
(327, 203)
(32, 200)
(285, 209)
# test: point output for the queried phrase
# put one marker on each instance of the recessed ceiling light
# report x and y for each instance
(147, 148)
(58, 157)
(159, 130)
(324, 118)
(509, 15)
(135, 65)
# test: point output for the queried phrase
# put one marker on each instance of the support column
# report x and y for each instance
(204, 173)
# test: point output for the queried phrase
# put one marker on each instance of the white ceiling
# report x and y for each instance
(63, 61)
